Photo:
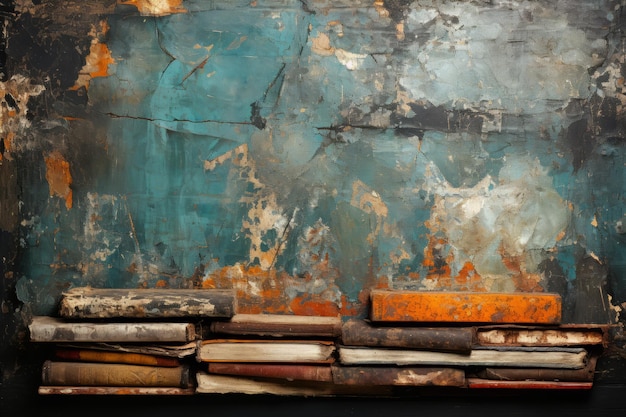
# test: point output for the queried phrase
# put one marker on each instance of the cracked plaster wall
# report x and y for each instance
(304, 152)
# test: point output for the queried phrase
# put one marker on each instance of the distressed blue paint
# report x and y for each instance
(211, 112)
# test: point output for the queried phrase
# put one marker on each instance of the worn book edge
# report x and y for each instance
(98, 390)
(239, 350)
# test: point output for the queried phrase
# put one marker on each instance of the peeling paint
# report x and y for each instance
(15, 94)
(477, 224)
(306, 152)
(59, 177)
(98, 61)
(156, 7)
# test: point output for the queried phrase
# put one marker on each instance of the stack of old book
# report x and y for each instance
(180, 342)
(411, 339)
(494, 340)
(118, 341)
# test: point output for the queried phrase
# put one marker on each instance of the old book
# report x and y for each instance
(93, 390)
(465, 307)
(106, 374)
(164, 349)
(565, 358)
(223, 384)
(565, 336)
(91, 303)
(292, 351)
(279, 325)
(357, 332)
(292, 372)
(56, 330)
(477, 383)
(398, 376)
(540, 374)
(93, 355)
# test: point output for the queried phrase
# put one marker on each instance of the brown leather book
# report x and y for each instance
(357, 332)
(106, 374)
(477, 383)
(291, 372)
(279, 325)
(398, 376)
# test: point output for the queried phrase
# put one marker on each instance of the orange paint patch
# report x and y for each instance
(96, 64)
(523, 281)
(310, 305)
(162, 284)
(156, 7)
(469, 279)
(262, 291)
(59, 177)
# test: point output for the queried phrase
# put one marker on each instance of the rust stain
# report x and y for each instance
(468, 279)
(261, 291)
(523, 281)
(468, 307)
(98, 61)
(313, 305)
(438, 265)
(59, 177)
(156, 7)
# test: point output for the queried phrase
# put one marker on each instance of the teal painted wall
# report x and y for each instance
(304, 152)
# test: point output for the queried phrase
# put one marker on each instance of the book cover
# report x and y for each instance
(566, 336)
(291, 372)
(90, 303)
(587, 373)
(398, 376)
(277, 325)
(57, 330)
(292, 351)
(476, 383)
(89, 355)
(97, 390)
(465, 307)
(357, 332)
(223, 384)
(105, 374)
(173, 350)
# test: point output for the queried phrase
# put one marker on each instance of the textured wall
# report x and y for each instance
(304, 152)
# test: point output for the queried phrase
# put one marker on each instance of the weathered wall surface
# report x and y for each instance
(304, 152)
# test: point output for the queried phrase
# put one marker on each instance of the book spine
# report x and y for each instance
(398, 376)
(356, 332)
(465, 307)
(567, 358)
(540, 374)
(284, 371)
(477, 383)
(49, 329)
(275, 329)
(264, 351)
(86, 390)
(86, 303)
(115, 357)
(225, 384)
(539, 337)
(100, 374)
